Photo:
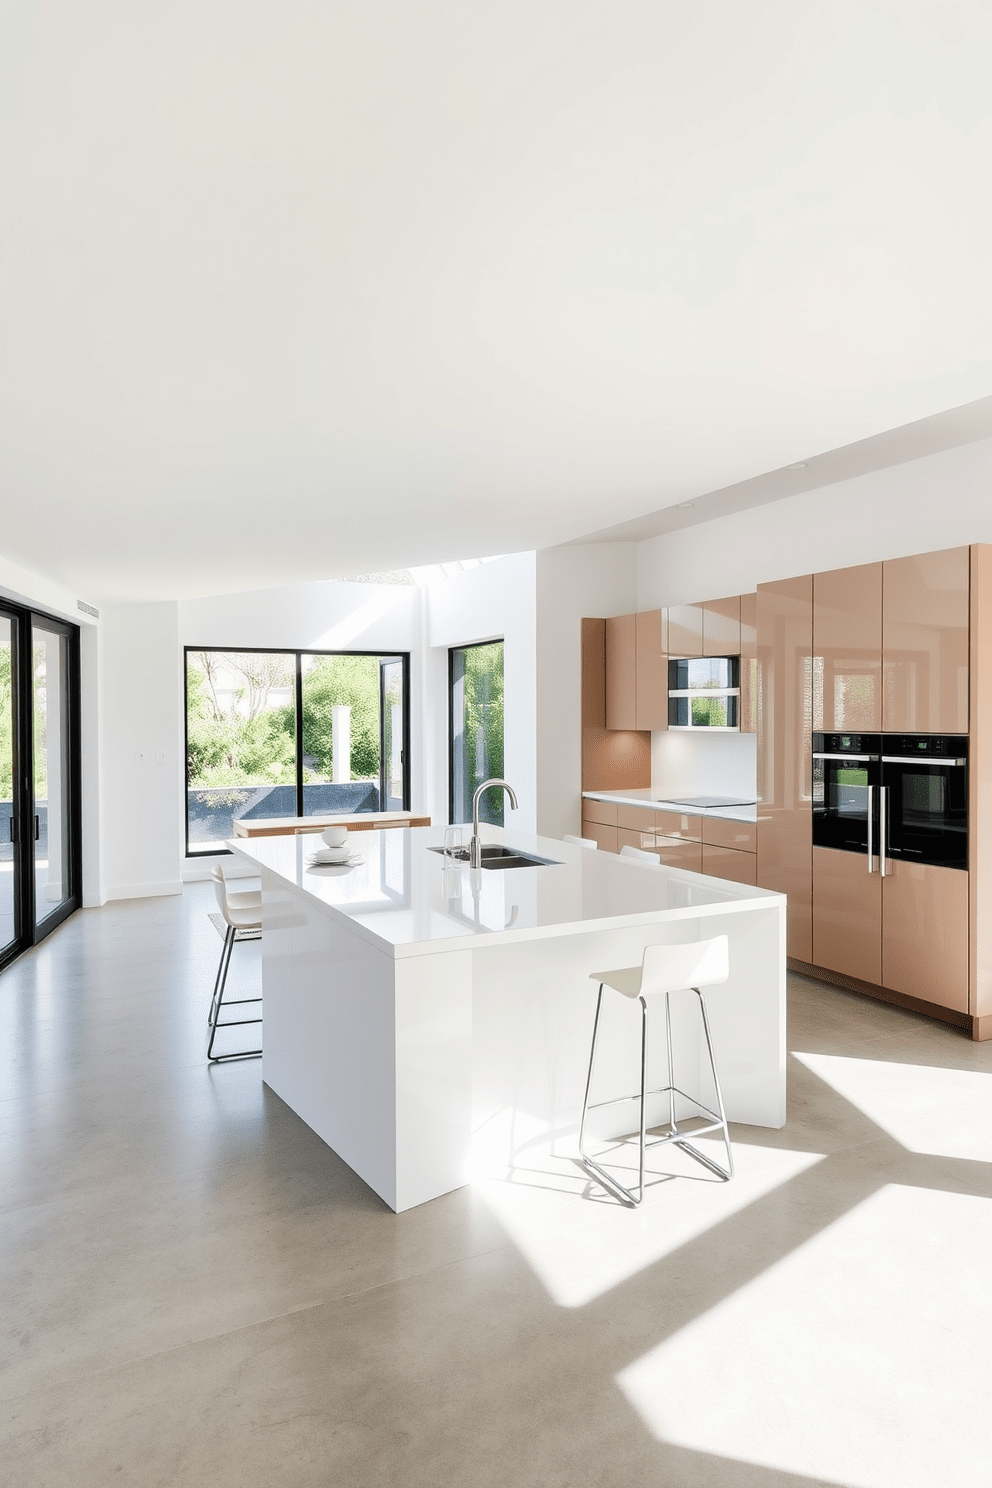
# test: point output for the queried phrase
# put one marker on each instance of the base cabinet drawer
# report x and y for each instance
(727, 862)
(638, 818)
(628, 838)
(604, 837)
(678, 824)
(719, 832)
(676, 852)
(605, 812)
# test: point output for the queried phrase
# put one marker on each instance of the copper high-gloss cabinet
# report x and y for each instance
(685, 630)
(749, 664)
(847, 914)
(651, 670)
(847, 650)
(677, 852)
(925, 622)
(621, 672)
(728, 862)
(785, 842)
(722, 626)
(925, 933)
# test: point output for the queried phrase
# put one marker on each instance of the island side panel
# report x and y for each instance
(748, 1019)
(433, 1075)
(328, 1036)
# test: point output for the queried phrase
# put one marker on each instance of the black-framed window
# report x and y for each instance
(475, 729)
(40, 828)
(280, 733)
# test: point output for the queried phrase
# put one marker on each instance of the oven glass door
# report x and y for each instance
(926, 810)
(842, 799)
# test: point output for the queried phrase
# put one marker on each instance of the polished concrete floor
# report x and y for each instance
(197, 1291)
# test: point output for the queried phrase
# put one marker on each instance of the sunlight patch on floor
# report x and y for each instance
(582, 1243)
(861, 1359)
(943, 1112)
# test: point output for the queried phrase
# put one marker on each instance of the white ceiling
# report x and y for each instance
(295, 288)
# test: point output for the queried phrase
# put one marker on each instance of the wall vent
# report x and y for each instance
(87, 609)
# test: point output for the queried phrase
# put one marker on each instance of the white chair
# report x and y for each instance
(589, 842)
(640, 854)
(241, 910)
(664, 971)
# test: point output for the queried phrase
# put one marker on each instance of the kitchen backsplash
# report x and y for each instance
(704, 764)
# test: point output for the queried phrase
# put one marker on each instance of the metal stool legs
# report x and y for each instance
(217, 1002)
(718, 1118)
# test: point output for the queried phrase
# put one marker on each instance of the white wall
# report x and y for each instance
(941, 501)
(587, 579)
(492, 602)
(141, 742)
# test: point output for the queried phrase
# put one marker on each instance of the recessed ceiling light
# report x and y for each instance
(799, 465)
(683, 504)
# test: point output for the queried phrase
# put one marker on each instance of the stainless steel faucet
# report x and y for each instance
(475, 846)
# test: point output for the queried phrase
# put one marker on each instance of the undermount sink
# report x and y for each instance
(494, 855)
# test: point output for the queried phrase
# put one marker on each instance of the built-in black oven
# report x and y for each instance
(846, 778)
(923, 806)
(901, 796)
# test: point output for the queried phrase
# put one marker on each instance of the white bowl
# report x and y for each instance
(335, 836)
(333, 854)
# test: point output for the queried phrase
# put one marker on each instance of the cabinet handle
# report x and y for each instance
(883, 792)
(871, 825)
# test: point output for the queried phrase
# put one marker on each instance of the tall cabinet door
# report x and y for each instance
(847, 650)
(847, 915)
(785, 825)
(925, 933)
(621, 672)
(925, 601)
(749, 663)
(651, 690)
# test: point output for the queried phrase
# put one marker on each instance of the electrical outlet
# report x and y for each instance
(160, 757)
(139, 757)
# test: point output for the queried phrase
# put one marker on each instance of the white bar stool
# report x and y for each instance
(589, 842)
(240, 911)
(664, 970)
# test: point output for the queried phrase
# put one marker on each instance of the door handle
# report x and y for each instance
(13, 829)
(871, 824)
(37, 828)
(883, 792)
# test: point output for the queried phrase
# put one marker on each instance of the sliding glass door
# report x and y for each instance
(475, 710)
(39, 777)
(10, 887)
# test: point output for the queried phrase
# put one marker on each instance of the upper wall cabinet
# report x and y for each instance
(594, 674)
(925, 602)
(651, 658)
(685, 630)
(847, 649)
(749, 664)
(621, 672)
(722, 626)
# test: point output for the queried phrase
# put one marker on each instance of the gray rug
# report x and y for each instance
(217, 920)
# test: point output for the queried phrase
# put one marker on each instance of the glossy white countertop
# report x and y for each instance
(647, 796)
(403, 899)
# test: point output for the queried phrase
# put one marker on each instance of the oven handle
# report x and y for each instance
(871, 845)
(883, 792)
(909, 759)
(846, 756)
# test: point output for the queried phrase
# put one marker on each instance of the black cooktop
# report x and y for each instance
(705, 802)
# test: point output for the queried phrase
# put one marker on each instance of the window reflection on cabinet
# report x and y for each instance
(847, 649)
(925, 643)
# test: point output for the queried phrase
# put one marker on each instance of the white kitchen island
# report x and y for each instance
(426, 1020)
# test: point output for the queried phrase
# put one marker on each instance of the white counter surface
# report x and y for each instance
(423, 1020)
(648, 796)
(405, 901)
